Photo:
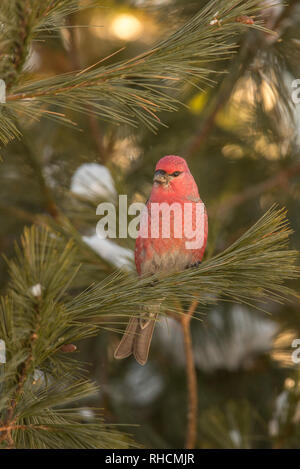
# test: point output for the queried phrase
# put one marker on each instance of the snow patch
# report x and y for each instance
(110, 251)
(93, 181)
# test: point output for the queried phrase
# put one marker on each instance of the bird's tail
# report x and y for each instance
(137, 339)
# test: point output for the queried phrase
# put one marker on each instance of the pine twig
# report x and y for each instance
(36, 326)
(191, 434)
(241, 65)
(9, 422)
(20, 44)
(133, 91)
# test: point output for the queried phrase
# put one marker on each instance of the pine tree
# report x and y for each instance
(213, 87)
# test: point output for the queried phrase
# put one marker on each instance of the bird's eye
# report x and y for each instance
(176, 173)
(160, 171)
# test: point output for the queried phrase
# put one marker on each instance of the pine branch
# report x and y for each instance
(58, 221)
(23, 21)
(191, 436)
(243, 63)
(38, 317)
(252, 270)
(136, 90)
(235, 425)
(34, 325)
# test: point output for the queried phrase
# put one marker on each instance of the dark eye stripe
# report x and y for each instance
(160, 171)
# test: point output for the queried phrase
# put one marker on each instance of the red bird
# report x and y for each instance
(163, 244)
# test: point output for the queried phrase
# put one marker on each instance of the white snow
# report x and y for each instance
(93, 181)
(248, 334)
(110, 251)
(235, 437)
(36, 290)
(87, 414)
(143, 384)
(39, 377)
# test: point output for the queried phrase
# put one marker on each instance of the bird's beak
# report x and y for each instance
(160, 178)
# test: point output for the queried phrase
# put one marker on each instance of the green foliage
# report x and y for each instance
(243, 153)
(251, 270)
(38, 377)
(132, 91)
(38, 317)
(231, 428)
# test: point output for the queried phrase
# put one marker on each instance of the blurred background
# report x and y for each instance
(241, 140)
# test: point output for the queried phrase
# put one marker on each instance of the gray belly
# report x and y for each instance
(171, 261)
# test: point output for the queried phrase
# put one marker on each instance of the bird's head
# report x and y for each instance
(172, 174)
(170, 170)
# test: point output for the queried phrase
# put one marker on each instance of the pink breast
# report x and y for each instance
(163, 244)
